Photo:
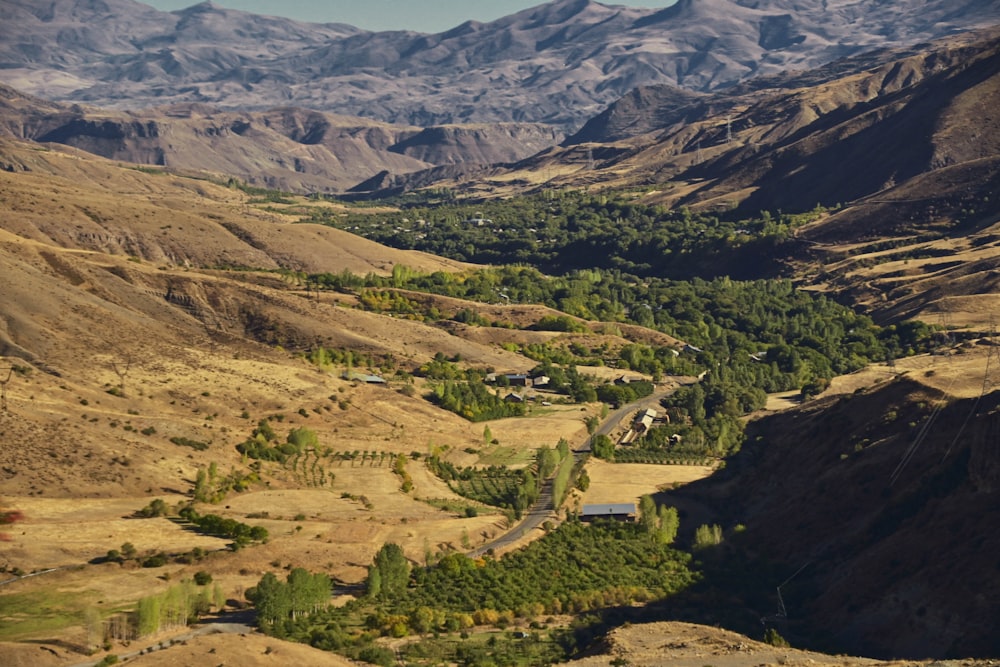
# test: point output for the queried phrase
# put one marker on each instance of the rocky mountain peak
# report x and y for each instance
(561, 62)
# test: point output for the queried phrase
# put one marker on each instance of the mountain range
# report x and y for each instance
(287, 148)
(559, 63)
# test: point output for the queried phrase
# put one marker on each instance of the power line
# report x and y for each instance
(921, 435)
(990, 381)
(988, 384)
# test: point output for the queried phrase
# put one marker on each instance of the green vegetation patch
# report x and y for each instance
(496, 485)
(212, 524)
(743, 339)
(576, 568)
(558, 232)
(188, 442)
(43, 611)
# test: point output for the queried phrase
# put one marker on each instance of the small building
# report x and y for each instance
(541, 381)
(363, 377)
(517, 379)
(513, 397)
(509, 379)
(644, 420)
(613, 511)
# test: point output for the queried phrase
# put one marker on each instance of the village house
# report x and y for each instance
(367, 378)
(611, 511)
(510, 379)
(644, 420)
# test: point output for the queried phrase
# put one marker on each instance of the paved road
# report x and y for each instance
(36, 574)
(614, 419)
(544, 508)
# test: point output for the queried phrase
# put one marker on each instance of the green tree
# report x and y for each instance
(271, 598)
(669, 524)
(302, 439)
(306, 591)
(128, 551)
(563, 448)
(772, 637)
(156, 507)
(603, 447)
(707, 536)
(648, 518)
(422, 619)
(546, 460)
(389, 574)
(148, 615)
(202, 491)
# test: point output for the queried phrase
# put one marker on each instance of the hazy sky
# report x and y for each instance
(419, 15)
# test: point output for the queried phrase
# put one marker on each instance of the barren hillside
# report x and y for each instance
(842, 497)
(285, 148)
(560, 62)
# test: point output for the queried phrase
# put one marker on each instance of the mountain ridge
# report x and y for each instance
(558, 63)
(283, 148)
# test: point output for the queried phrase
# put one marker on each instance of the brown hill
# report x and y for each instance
(96, 205)
(286, 148)
(875, 504)
(792, 144)
(560, 62)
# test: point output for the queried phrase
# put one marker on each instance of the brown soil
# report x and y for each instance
(688, 645)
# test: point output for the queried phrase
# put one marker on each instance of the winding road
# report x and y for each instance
(544, 508)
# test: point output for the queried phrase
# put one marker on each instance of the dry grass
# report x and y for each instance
(67, 532)
(628, 482)
(246, 651)
(688, 645)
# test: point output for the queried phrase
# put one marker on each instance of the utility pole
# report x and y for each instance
(990, 377)
(121, 372)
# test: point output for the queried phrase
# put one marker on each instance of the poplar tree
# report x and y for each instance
(389, 574)
(669, 523)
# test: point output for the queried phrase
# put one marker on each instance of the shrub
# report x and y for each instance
(187, 442)
(156, 560)
(772, 637)
(157, 507)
